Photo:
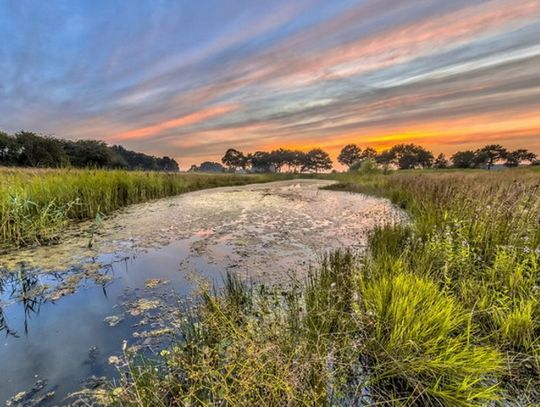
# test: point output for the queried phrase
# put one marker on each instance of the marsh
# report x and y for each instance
(67, 308)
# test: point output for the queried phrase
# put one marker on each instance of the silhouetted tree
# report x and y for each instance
(368, 153)
(208, 166)
(407, 156)
(440, 162)
(32, 150)
(167, 164)
(8, 149)
(464, 159)
(349, 155)
(261, 161)
(141, 161)
(385, 157)
(493, 153)
(296, 160)
(317, 160)
(515, 158)
(89, 153)
(234, 159)
(279, 158)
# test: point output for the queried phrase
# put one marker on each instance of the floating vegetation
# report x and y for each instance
(31, 398)
(114, 320)
(155, 282)
(142, 305)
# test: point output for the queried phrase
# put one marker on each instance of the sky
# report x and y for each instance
(189, 79)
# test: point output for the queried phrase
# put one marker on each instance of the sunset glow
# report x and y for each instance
(191, 79)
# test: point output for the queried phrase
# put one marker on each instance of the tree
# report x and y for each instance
(140, 161)
(385, 157)
(8, 149)
(317, 160)
(234, 159)
(349, 155)
(494, 153)
(37, 151)
(464, 159)
(440, 162)
(296, 160)
(407, 156)
(515, 158)
(279, 158)
(481, 159)
(89, 153)
(208, 166)
(261, 161)
(168, 164)
(369, 153)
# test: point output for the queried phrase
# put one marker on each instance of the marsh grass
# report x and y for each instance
(443, 311)
(476, 235)
(336, 339)
(37, 205)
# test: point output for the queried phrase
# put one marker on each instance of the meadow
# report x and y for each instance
(443, 311)
(36, 205)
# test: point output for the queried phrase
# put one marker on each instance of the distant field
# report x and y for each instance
(37, 204)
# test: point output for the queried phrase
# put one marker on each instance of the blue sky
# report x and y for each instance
(192, 78)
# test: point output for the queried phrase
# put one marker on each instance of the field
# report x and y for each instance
(37, 205)
(441, 312)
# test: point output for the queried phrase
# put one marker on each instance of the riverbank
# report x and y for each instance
(36, 206)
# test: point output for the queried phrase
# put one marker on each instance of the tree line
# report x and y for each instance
(315, 160)
(408, 156)
(402, 156)
(27, 149)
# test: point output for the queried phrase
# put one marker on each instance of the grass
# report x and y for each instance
(37, 205)
(443, 311)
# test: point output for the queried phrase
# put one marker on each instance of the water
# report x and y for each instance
(67, 341)
(53, 309)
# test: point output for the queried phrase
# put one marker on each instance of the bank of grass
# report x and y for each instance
(37, 205)
(443, 311)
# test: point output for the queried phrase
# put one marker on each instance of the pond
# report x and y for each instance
(65, 310)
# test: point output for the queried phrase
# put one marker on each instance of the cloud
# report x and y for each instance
(183, 121)
(189, 79)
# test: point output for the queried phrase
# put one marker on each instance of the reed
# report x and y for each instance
(37, 205)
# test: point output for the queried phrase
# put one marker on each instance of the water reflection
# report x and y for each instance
(62, 327)
(29, 290)
(24, 287)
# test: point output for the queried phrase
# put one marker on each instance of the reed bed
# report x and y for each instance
(443, 311)
(37, 205)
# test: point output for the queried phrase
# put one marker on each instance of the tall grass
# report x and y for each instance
(337, 340)
(36, 205)
(477, 237)
(443, 311)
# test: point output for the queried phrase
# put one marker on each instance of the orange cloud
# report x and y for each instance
(445, 136)
(182, 121)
